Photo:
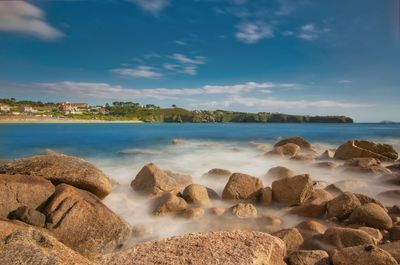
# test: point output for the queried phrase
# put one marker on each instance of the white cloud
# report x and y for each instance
(152, 6)
(184, 64)
(310, 32)
(250, 33)
(182, 43)
(344, 81)
(23, 17)
(138, 72)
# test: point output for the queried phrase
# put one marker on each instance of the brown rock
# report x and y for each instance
(310, 228)
(219, 172)
(178, 141)
(328, 154)
(375, 233)
(81, 221)
(266, 196)
(342, 206)
(292, 238)
(303, 157)
(23, 190)
(340, 237)
(326, 165)
(182, 179)
(355, 148)
(286, 150)
(7, 227)
(364, 199)
(197, 194)
(394, 167)
(308, 257)
(193, 213)
(279, 172)
(292, 191)
(169, 203)
(314, 206)
(365, 165)
(242, 187)
(304, 144)
(393, 248)
(244, 210)
(394, 233)
(29, 216)
(371, 215)
(333, 189)
(363, 255)
(59, 168)
(32, 246)
(229, 248)
(218, 211)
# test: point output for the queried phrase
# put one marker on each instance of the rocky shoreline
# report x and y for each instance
(51, 212)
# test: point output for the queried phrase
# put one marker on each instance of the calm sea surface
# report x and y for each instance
(106, 140)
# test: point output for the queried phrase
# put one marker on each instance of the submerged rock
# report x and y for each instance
(292, 191)
(301, 142)
(242, 187)
(59, 168)
(229, 248)
(363, 165)
(23, 190)
(244, 210)
(279, 172)
(363, 255)
(286, 150)
(81, 221)
(219, 172)
(356, 148)
(169, 203)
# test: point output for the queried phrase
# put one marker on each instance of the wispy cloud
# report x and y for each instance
(344, 81)
(25, 18)
(152, 6)
(310, 32)
(249, 32)
(184, 64)
(138, 72)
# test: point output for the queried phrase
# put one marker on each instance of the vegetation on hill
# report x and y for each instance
(152, 113)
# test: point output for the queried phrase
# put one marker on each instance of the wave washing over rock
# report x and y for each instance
(205, 202)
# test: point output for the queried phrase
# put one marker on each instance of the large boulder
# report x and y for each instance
(242, 187)
(315, 206)
(81, 221)
(372, 215)
(363, 255)
(340, 237)
(233, 247)
(279, 172)
(356, 148)
(31, 246)
(197, 194)
(23, 190)
(303, 143)
(393, 248)
(343, 205)
(59, 168)
(308, 257)
(153, 180)
(169, 203)
(292, 238)
(292, 191)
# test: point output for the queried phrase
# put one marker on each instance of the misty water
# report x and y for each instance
(121, 150)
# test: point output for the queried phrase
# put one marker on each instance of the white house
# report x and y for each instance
(5, 108)
(28, 109)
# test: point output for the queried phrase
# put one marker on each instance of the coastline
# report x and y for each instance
(58, 120)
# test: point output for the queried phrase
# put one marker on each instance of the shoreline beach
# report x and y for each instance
(59, 120)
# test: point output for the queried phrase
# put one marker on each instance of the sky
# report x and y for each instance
(309, 57)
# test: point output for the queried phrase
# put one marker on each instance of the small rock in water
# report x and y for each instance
(244, 210)
(279, 172)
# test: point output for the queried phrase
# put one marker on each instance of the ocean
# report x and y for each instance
(121, 150)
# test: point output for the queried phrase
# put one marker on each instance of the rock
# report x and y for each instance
(394, 233)
(342, 206)
(333, 189)
(59, 168)
(291, 237)
(33, 246)
(153, 180)
(7, 227)
(242, 187)
(301, 142)
(197, 194)
(314, 206)
(340, 237)
(182, 179)
(178, 141)
(326, 165)
(395, 209)
(365, 165)
(292, 191)
(363, 255)
(230, 248)
(267, 219)
(355, 148)
(218, 211)
(364, 199)
(23, 190)
(375, 233)
(394, 167)
(279, 172)
(266, 196)
(320, 184)
(219, 172)
(352, 184)
(393, 248)
(310, 228)
(287, 150)
(193, 213)
(308, 257)
(29, 216)
(244, 210)
(81, 221)
(303, 157)
(371, 215)
(314, 243)
(169, 203)
(328, 154)
(389, 197)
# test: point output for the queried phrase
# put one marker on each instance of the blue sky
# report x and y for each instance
(315, 57)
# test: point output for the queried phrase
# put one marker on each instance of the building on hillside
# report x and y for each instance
(73, 108)
(5, 108)
(27, 109)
